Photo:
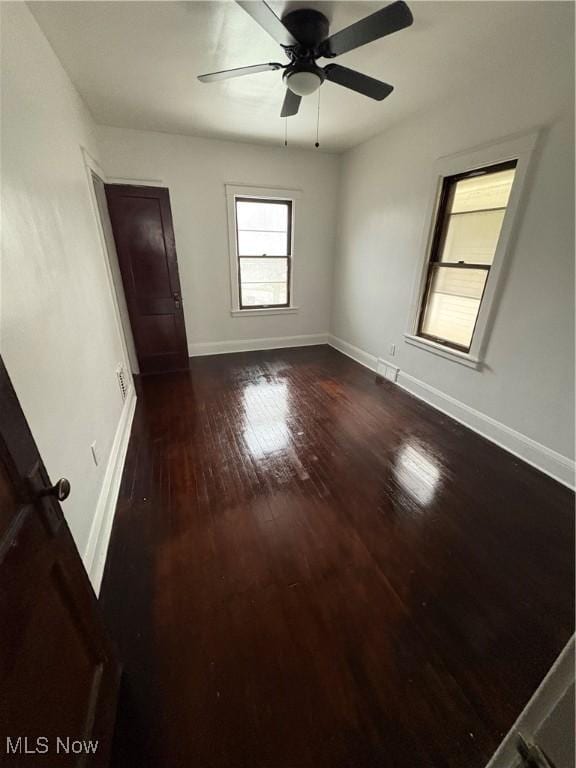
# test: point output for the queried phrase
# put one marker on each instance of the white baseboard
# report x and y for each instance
(548, 694)
(95, 554)
(250, 345)
(357, 354)
(543, 458)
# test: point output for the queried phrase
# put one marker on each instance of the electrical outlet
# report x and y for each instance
(94, 452)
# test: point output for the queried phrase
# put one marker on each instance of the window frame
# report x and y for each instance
(438, 241)
(270, 195)
(448, 169)
(288, 256)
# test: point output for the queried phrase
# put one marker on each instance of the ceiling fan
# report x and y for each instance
(303, 34)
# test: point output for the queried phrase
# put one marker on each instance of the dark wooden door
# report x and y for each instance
(58, 669)
(144, 234)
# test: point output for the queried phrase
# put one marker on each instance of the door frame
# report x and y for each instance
(92, 166)
(94, 556)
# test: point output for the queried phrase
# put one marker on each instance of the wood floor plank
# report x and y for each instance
(310, 567)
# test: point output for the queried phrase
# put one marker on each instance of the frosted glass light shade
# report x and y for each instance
(303, 83)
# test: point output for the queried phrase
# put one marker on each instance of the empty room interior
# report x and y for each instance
(287, 384)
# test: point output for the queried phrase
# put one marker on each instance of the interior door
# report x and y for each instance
(58, 670)
(144, 234)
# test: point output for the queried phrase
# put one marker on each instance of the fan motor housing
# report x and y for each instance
(308, 26)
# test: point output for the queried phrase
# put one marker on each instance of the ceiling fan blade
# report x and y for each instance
(265, 16)
(291, 104)
(390, 19)
(356, 81)
(226, 74)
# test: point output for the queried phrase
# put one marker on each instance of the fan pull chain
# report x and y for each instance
(285, 131)
(318, 122)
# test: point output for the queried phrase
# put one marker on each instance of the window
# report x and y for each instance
(263, 229)
(466, 234)
(474, 205)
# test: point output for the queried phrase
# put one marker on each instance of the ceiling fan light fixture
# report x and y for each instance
(303, 83)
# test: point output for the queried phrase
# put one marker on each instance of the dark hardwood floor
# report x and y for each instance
(310, 568)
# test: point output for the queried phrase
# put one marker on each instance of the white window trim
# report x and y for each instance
(520, 149)
(241, 190)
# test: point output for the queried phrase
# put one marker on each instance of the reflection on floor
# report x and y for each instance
(312, 568)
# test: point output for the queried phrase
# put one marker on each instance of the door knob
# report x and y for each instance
(60, 490)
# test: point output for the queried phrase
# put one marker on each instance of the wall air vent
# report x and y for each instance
(123, 380)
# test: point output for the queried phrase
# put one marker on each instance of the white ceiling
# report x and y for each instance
(135, 64)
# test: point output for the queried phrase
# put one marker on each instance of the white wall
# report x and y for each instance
(528, 381)
(58, 334)
(195, 171)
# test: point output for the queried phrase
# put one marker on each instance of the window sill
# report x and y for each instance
(264, 311)
(439, 349)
